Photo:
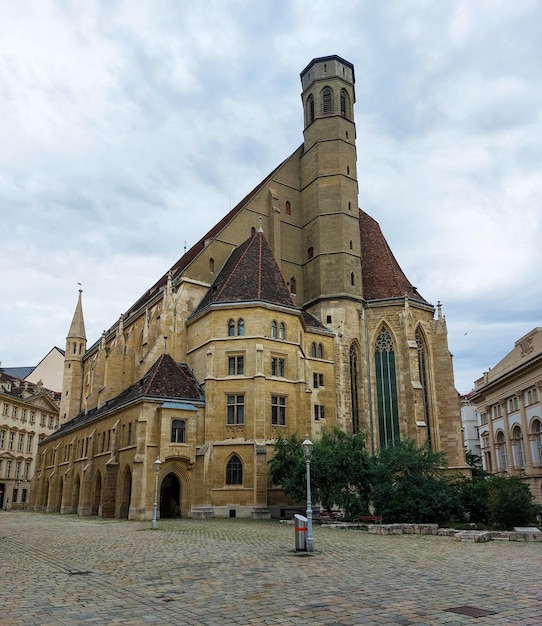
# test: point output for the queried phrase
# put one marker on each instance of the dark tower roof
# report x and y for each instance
(382, 277)
(250, 274)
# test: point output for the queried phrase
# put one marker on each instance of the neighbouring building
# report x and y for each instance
(471, 422)
(290, 315)
(507, 398)
(48, 372)
(28, 413)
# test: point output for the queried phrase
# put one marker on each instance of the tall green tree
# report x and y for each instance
(408, 484)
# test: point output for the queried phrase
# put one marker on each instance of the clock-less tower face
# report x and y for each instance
(332, 266)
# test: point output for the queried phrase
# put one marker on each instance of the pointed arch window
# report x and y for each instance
(234, 471)
(313, 349)
(231, 328)
(282, 331)
(386, 388)
(288, 207)
(212, 265)
(310, 109)
(345, 104)
(422, 372)
(241, 327)
(327, 101)
(354, 397)
(274, 329)
(320, 351)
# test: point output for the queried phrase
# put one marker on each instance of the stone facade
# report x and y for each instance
(507, 399)
(291, 314)
(28, 413)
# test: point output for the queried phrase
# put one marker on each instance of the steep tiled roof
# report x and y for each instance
(166, 380)
(250, 274)
(382, 276)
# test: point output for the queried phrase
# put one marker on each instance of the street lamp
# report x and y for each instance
(307, 449)
(157, 465)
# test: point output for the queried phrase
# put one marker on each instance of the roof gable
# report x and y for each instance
(250, 274)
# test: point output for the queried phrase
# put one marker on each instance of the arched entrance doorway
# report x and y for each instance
(170, 497)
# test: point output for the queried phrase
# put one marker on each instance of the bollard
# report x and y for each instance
(300, 526)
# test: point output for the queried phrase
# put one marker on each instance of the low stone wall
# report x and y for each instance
(467, 536)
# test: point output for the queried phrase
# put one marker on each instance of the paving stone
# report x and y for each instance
(239, 572)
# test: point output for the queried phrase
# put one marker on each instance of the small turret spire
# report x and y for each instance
(77, 328)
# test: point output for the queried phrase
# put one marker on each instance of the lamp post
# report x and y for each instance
(307, 449)
(157, 465)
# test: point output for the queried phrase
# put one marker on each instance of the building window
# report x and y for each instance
(5, 409)
(344, 103)
(513, 404)
(288, 208)
(231, 328)
(20, 442)
(310, 109)
(274, 329)
(42, 420)
(14, 412)
(313, 349)
(8, 469)
(212, 265)
(293, 288)
(538, 439)
(2, 438)
(386, 389)
(278, 410)
(18, 470)
(32, 417)
(236, 365)
(23, 495)
(327, 101)
(10, 440)
(277, 367)
(352, 278)
(178, 431)
(320, 351)
(129, 433)
(29, 440)
(422, 373)
(502, 451)
(310, 252)
(317, 380)
(15, 495)
(531, 396)
(23, 415)
(236, 410)
(234, 471)
(26, 470)
(354, 398)
(319, 413)
(282, 331)
(241, 327)
(517, 435)
(496, 411)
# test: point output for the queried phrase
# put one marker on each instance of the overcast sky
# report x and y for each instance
(128, 129)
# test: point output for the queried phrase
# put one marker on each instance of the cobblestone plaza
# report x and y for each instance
(65, 570)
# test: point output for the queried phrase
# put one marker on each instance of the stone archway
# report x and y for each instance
(96, 504)
(126, 494)
(170, 497)
(76, 493)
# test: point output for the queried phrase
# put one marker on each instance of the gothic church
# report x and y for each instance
(291, 315)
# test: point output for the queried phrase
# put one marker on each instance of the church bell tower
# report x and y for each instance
(331, 240)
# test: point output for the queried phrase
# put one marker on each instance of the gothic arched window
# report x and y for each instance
(231, 328)
(345, 104)
(293, 288)
(282, 330)
(386, 389)
(327, 101)
(310, 110)
(354, 388)
(274, 329)
(422, 372)
(241, 327)
(517, 436)
(234, 471)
